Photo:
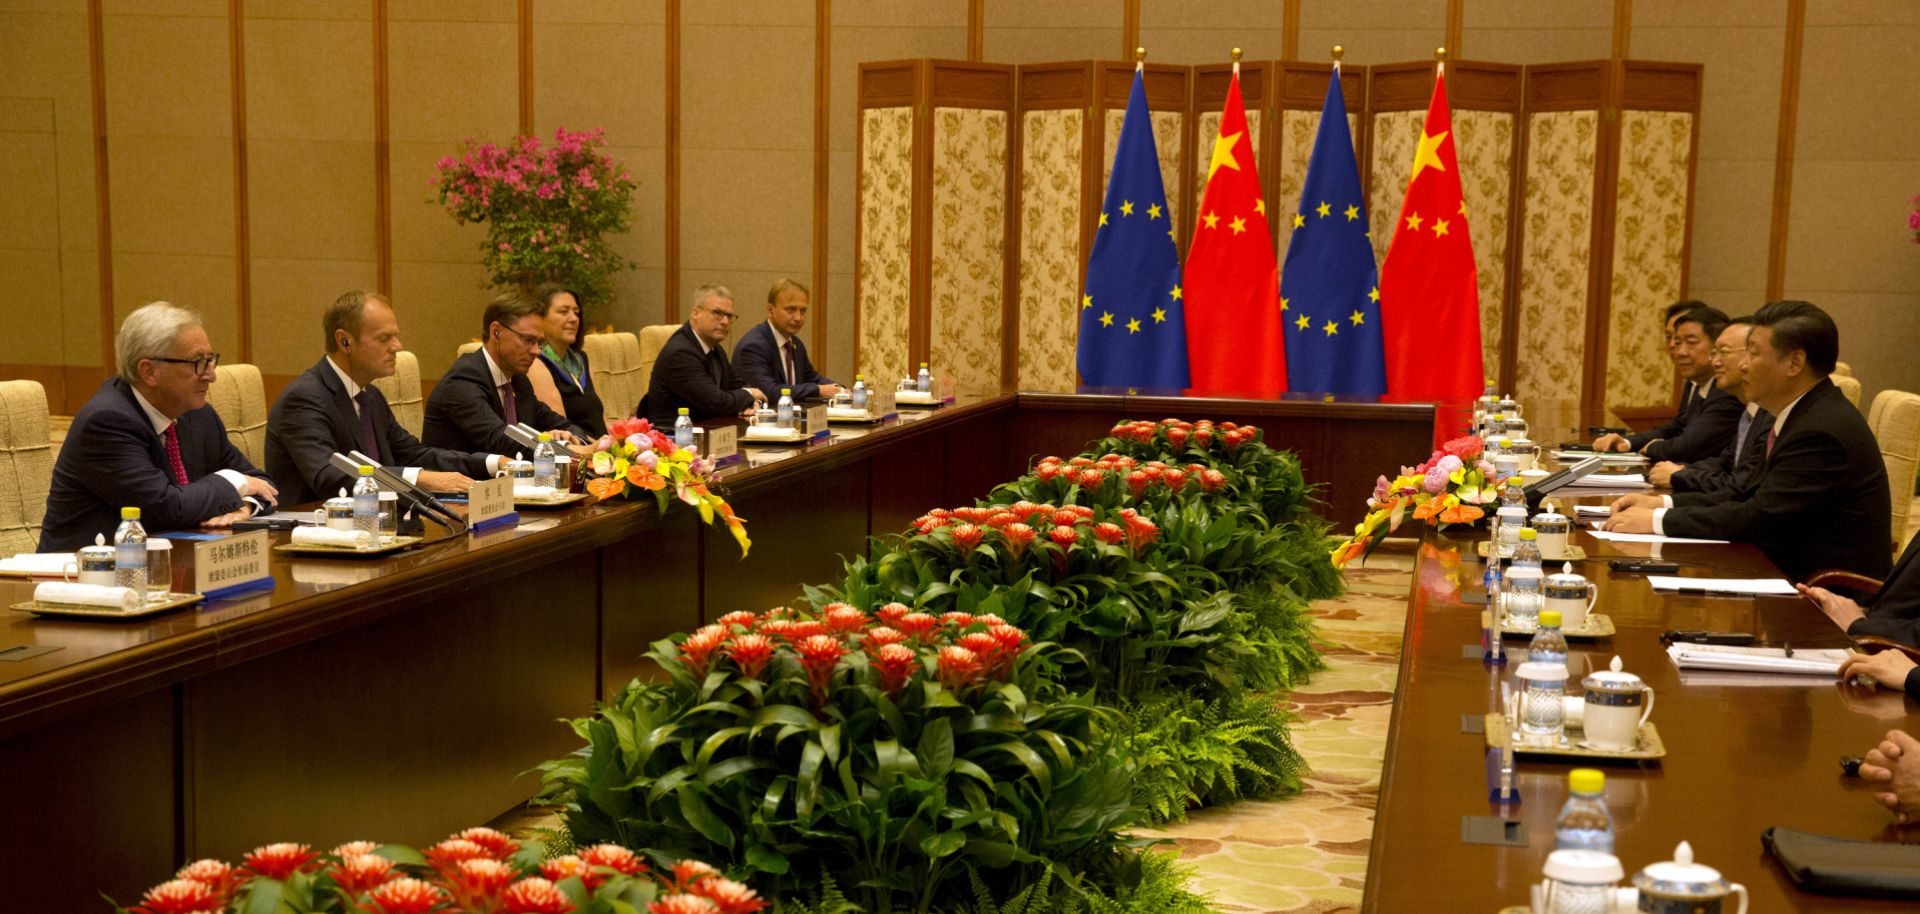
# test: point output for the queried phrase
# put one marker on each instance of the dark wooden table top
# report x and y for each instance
(1743, 753)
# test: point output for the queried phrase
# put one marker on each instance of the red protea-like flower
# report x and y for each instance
(820, 654)
(696, 653)
(682, 904)
(1137, 482)
(880, 636)
(806, 628)
(1212, 480)
(1234, 438)
(1010, 639)
(896, 663)
(447, 856)
(1065, 536)
(1203, 436)
(359, 874)
(1002, 519)
(843, 619)
(279, 861)
(560, 868)
(1091, 479)
(970, 514)
(1177, 437)
(730, 896)
(1109, 533)
(967, 536)
(474, 884)
(926, 525)
(1065, 517)
(1084, 512)
(738, 617)
(534, 895)
(957, 667)
(1175, 479)
(354, 849)
(890, 614)
(939, 512)
(776, 628)
(983, 646)
(405, 896)
(499, 846)
(750, 653)
(1019, 537)
(1194, 469)
(1153, 472)
(179, 896)
(1045, 472)
(689, 873)
(956, 619)
(988, 619)
(1080, 462)
(1106, 464)
(615, 858)
(1140, 533)
(917, 625)
(223, 878)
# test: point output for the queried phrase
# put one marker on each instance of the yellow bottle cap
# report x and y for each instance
(1586, 780)
(544, 437)
(1550, 617)
(129, 513)
(1527, 533)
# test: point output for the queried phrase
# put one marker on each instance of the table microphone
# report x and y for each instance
(351, 462)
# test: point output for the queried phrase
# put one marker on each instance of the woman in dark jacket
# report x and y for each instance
(560, 376)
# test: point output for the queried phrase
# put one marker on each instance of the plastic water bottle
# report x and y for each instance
(1584, 823)
(683, 429)
(130, 553)
(1525, 582)
(545, 473)
(366, 503)
(783, 411)
(859, 391)
(1548, 645)
(924, 383)
(1509, 519)
(1496, 426)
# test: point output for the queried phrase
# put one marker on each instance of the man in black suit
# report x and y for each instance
(487, 389)
(692, 369)
(1707, 414)
(1893, 613)
(1820, 500)
(1740, 459)
(333, 408)
(771, 355)
(149, 440)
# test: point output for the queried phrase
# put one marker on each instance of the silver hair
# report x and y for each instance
(149, 333)
(703, 293)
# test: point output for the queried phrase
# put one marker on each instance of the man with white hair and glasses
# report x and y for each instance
(149, 440)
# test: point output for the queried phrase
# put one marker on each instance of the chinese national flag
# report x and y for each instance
(1232, 296)
(1429, 295)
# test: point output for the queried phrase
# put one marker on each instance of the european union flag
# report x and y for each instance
(1133, 332)
(1330, 288)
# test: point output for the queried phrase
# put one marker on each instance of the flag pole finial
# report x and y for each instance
(1236, 55)
(1338, 52)
(1440, 58)
(1139, 55)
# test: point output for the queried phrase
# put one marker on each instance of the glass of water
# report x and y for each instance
(1542, 713)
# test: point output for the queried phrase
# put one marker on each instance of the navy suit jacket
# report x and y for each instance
(1895, 611)
(1819, 502)
(113, 459)
(683, 375)
(1705, 424)
(1725, 470)
(314, 418)
(464, 412)
(757, 360)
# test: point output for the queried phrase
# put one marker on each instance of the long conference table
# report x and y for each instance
(403, 698)
(1744, 753)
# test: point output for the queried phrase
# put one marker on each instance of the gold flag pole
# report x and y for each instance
(1440, 60)
(1338, 52)
(1236, 61)
(1139, 59)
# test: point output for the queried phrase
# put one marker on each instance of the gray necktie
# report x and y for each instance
(1740, 437)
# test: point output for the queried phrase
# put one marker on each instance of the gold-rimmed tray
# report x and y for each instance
(1574, 553)
(550, 503)
(1594, 626)
(798, 437)
(862, 419)
(172, 602)
(387, 547)
(1647, 747)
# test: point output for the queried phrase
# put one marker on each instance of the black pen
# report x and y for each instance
(1708, 592)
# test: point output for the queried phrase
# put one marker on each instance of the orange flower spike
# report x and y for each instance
(604, 487)
(645, 478)
(1430, 508)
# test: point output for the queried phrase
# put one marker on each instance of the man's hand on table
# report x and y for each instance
(1842, 611)
(1887, 668)
(1896, 763)
(1611, 443)
(1662, 473)
(1631, 520)
(439, 481)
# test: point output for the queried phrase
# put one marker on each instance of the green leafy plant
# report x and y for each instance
(1207, 753)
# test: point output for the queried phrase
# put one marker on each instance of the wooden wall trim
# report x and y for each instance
(1290, 30)
(524, 17)
(920, 245)
(1622, 29)
(1783, 150)
(1456, 18)
(1129, 28)
(976, 29)
(382, 156)
(102, 198)
(242, 231)
(1606, 191)
(822, 169)
(670, 193)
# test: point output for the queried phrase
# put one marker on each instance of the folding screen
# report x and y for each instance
(1057, 185)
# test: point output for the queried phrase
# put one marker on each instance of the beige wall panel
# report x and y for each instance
(969, 245)
(164, 7)
(449, 11)
(70, 7)
(1740, 95)
(638, 301)
(1373, 31)
(37, 270)
(80, 308)
(310, 80)
(43, 56)
(288, 297)
(643, 243)
(204, 284)
(422, 231)
(1197, 33)
(1536, 31)
(311, 200)
(598, 12)
(1732, 213)
(725, 105)
(1650, 226)
(747, 12)
(311, 10)
(1049, 262)
(1862, 12)
(886, 230)
(450, 80)
(1849, 228)
(746, 208)
(442, 304)
(30, 207)
(840, 335)
(167, 76)
(1839, 97)
(172, 195)
(1557, 252)
(606, 75)
(1017, 31)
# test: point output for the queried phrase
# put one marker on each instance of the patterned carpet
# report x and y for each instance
(1308, 854)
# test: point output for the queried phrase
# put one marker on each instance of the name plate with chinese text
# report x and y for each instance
(230, 563)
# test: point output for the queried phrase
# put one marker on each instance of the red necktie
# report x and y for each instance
(791, 378)
(174, 463)
(506, 404)
(1770, 437)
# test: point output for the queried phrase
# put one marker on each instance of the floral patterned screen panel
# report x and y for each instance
(1484, 142)
(1395, 136)
(886, 230)
(969, 244)
(1050, 171)
(1556, 253)
(1166, 137)
(1649, 234)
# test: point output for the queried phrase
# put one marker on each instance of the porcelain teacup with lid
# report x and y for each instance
(1617, 704)
(1568, 591)
(1681, 886)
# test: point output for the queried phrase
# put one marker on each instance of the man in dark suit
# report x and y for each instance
(1820, 499)
(771, 355)
(487, 389)
(692, 369)
(149, 440)
(1893, 613)
(333, 408)
(1707, 414)
(1740, 459)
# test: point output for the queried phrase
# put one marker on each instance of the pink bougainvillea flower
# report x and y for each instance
(534, 895)
(750, 653)
(729, 896)
(405, 896)
(957, 667)
(682, 904)
(362, 873)
(179, 896)
(896, 663)
(279, 861)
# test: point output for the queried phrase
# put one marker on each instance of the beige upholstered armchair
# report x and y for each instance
(240, 397)
(26, 465)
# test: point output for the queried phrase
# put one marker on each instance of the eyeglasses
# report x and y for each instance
(200, 365)
(723, 315)
(531, 339)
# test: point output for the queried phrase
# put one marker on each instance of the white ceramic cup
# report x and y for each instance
(1612, 719)
(90, 565)
(1574, 596)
